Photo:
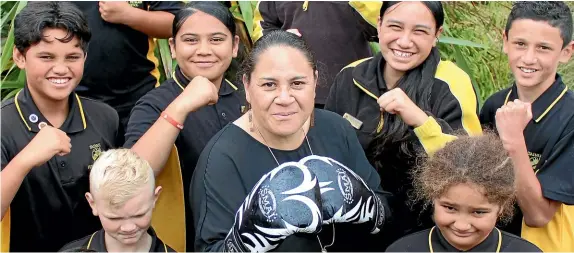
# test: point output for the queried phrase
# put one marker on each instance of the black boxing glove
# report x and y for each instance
(346, 198)
(285, 201)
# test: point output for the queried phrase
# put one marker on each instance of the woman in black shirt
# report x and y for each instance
(470, 185)
(282, 126)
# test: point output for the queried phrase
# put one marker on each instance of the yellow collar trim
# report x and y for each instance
(547, 109)
(20, 111)
(497, 247)
(28, 126)
(182, 88)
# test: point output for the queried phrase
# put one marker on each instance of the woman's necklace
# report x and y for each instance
(323, 249)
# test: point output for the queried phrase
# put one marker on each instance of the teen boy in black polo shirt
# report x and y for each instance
(121, 66)
(537, 38)
(50, 135)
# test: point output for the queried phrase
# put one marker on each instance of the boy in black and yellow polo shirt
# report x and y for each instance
(123, 194)
(535, 121)
(50, 135)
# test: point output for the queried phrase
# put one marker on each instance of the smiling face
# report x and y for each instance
(407, 33)
(281, 90)
(128, 223)
(464, 215)
(534, 50)
(204, 46)
(53, 68)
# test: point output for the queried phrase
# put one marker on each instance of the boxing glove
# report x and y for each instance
(285, 201)
(345, 196)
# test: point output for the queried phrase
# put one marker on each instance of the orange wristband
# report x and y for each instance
(172, 121)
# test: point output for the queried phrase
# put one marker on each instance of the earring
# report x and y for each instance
(250, 116)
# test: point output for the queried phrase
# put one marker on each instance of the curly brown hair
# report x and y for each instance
(480, 160)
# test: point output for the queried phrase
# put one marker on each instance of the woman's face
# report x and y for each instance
(281, 90)
(407, 33)
(204, 46)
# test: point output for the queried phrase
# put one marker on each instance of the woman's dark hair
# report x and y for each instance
(215, 9)
(272, 39)
(479, 160)
(393, 143)
(30, 23)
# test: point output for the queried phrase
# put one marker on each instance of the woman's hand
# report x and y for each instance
(396, 101)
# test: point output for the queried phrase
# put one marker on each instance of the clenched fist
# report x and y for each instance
(114, 11)
(46, 144)
(511, 119)
(396, 101)
(198, 93)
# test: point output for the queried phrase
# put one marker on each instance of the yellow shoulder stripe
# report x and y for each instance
(369, 10)
(461, 87)
(356, 63)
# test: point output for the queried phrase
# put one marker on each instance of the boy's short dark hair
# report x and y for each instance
(30, 23)
(557, 14)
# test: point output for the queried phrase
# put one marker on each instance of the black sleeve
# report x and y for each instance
(265, 19)
(217, 193)
(454, 113)
(331, 104)
(6, 158)
(144, 114)
(487, 114)
(556, 175)
(170, 6)
(369, 31)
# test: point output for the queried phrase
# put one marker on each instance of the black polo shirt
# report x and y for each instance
(97, 242)
(549, 140)
(496, 241)
(199, 126)
(121, 66)
(50, 209)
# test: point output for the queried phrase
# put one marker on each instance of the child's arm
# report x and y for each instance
(45, 145)
(154, 23)
(162, 134)
(511, 119)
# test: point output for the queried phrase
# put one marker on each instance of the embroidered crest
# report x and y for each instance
(534, 158)
(96, 152)
(135, 4)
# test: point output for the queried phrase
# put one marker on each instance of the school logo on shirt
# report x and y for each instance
(534, 159)
(96, 152)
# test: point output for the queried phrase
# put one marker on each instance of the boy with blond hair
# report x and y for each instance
(123, 195)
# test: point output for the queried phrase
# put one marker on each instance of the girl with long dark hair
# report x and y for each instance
(405, 100)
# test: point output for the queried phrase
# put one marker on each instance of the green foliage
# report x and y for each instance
(12, 78)
(483, 23)
(472, 38)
